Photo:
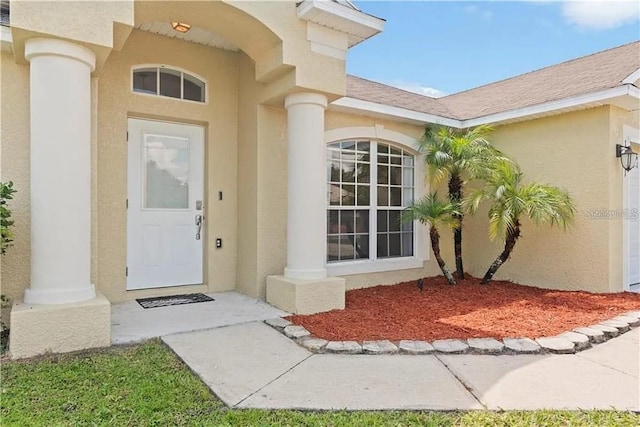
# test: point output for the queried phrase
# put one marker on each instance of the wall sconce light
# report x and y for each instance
(628, 158)
(180, 27)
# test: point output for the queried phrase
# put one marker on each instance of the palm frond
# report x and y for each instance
(510, 199)
(472, 202)
(432, 211)
(546, 204)
(450, 151)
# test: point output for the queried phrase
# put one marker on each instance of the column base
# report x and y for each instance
(59, 328)
(306, 296)
(60, 296)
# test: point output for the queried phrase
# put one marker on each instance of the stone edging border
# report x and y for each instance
(566, 343)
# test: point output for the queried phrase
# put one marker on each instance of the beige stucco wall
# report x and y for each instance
(589, 255)
(38, 329)
(285, 61)
(99, 26)
(14, 145)
(272, 194)
(54, 17)
(116, 102)
(247, 160)
(262, 186)
(313, 71)
(269, 32)
(247, 261)
(262, 192)
(572, 151)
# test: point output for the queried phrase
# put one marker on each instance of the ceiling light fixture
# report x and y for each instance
(180, 27)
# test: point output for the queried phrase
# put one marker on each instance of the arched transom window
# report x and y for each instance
(368, 185)
(169, 82)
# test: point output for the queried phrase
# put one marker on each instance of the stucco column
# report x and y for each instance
(60, 171)
(307, 217)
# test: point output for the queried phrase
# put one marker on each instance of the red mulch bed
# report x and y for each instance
(467, 310)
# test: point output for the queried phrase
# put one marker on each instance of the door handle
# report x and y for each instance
(199, 220)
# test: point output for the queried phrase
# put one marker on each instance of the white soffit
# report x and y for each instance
(342, 17)
(194, 35)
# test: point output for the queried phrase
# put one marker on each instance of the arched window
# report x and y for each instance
(164, 81)
(368, 185)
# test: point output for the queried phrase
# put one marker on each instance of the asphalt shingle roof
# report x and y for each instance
(379, 93)
(598, 71)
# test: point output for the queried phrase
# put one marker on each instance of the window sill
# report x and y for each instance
(378, 266)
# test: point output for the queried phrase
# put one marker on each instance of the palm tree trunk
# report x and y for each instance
(510, 242)
(435, 246)
(455, 196)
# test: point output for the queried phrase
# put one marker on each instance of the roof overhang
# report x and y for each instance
(383, 111)
(626, 96)
(358, 25)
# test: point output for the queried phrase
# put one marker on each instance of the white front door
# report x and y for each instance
(165, 204)
(632, 233)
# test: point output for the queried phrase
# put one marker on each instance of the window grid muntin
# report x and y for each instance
(338, 183)
(404, 234)
(348, 234)
(393, 195)
(343, 234)
(184, 76)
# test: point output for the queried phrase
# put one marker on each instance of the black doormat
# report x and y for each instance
(173, 300)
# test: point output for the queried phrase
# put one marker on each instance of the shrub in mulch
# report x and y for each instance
(467, 310)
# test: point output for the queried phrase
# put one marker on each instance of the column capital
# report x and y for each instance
(55, 47)
(305, 98)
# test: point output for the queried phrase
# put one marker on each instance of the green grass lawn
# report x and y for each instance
(147, 385)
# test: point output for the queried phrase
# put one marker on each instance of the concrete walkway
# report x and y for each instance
(253, 366)
(132, 323)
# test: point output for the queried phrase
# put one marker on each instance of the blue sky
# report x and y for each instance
(432, 46)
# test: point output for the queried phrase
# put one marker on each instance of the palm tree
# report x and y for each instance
(436, 213)
(511, 199)
(457, 155)
(6, 235)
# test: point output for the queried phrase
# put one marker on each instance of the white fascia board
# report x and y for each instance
(340, 11)
(550, 106)
(348, 3)
(417, 117)
(393, 112)
(631, 78)
(352, 21)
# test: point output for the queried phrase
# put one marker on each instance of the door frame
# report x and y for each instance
(168, 290)
(632, 135)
